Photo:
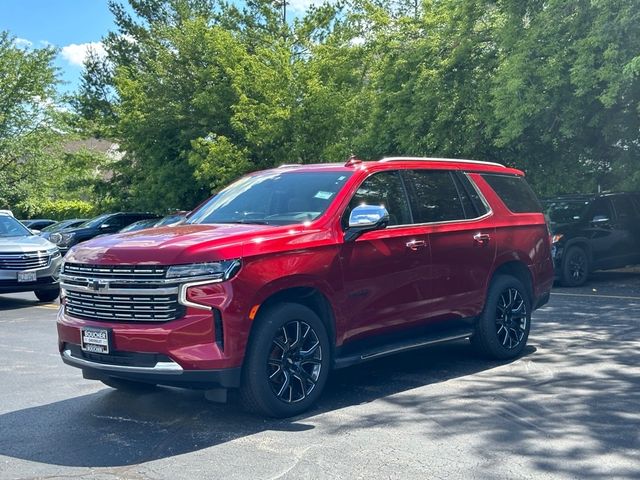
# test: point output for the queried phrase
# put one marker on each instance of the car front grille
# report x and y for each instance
(139, 308)
(120, 293)
(23, 261)
(115, 271)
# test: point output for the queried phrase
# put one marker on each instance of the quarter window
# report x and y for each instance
(624, 208)
(515, 192)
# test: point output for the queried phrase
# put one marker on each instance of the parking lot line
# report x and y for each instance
(617, 297)
(49, 306)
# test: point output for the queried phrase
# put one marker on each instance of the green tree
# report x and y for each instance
(28, 119)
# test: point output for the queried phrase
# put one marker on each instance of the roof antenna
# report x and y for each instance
(353, 160)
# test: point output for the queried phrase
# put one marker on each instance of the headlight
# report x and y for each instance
(214, 270)
(62, 239)
(53, 252)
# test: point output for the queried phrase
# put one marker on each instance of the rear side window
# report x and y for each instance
(515, 192)
(435, 197)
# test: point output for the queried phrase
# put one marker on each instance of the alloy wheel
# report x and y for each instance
(511, 318)
(295, 361)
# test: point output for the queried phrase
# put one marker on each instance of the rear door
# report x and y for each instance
(461, 241)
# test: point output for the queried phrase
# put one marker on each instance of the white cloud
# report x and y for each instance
(302, 5)
(76, 53)
(23, 43)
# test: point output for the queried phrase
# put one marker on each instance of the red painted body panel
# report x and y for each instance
(373, 285)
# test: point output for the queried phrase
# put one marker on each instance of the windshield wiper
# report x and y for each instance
(244, 222)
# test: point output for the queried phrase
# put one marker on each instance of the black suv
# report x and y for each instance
(103, 224)
(593, 232)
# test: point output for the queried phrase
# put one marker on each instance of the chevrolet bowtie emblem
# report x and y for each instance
(98, 285)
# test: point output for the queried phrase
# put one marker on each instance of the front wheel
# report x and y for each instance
(47, 295)
(503, 327)
(287, 362)
(575, 267)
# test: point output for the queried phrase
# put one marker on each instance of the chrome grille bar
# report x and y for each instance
(24, 261)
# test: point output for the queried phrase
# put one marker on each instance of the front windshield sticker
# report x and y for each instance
(323, 195)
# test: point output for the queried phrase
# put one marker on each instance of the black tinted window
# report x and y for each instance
(479, 205)
(599, 209)
(624, 207)
(434, 196)
(385, 189)
(515, 192)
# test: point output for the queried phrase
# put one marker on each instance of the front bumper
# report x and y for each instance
(47, 278)
(147, 368)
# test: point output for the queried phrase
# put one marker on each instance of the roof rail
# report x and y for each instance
(291, 165)
(428, 159)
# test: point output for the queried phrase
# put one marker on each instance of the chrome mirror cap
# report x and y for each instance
(368, 216)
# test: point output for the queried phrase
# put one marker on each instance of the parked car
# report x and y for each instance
(59, 226)
(102, 224)
(28, 263)
(291, 272)
(37, 223)
(139, 225)
(172, 219)
(593, 232)
(6, 212)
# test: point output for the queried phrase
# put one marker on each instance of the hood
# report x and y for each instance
(195, 244)
(24, 244)
(167, 245)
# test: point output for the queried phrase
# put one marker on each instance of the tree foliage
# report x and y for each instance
(198, 92)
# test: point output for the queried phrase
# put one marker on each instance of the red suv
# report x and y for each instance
(291, 272)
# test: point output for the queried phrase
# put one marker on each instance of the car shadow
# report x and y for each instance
(111, 428)
(14, 303)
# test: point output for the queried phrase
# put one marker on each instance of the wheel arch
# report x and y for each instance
(307, 295)
(517, 269)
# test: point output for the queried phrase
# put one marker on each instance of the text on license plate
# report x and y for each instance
(27, 276)
(95, 340)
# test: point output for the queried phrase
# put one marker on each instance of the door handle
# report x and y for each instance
(416, 244)
(481, 238)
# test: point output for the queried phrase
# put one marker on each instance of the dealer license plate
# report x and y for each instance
(95, 340)
(26, 277)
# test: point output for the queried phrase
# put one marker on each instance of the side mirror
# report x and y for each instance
(105, 226)
(600, 220)
(34, 231)
(365, 218)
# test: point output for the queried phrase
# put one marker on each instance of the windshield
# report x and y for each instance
(273, 198)
(95, 222)
(139, 225)
(565, 211)
(10, 227)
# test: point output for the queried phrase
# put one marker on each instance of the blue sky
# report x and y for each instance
(71, 26)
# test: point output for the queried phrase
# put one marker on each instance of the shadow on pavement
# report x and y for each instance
(111, 428)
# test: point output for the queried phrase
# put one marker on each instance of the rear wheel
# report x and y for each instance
(503, 327)
(47, 295)
(287, 362)
(575, 267)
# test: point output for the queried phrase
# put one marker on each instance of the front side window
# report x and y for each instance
(435, 197)
(624, 208)
(273, 198)
(384, 188)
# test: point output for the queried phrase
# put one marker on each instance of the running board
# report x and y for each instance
(398, 347)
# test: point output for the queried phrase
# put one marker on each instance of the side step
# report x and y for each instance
(353, 358)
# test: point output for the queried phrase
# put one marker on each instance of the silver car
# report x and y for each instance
(28, 262)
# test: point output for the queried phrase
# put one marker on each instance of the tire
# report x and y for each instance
(129, 386)
(47, 295)
(287, 362)
(575, 267)
(503, 327)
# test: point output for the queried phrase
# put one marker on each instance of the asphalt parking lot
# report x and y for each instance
(569, 408)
